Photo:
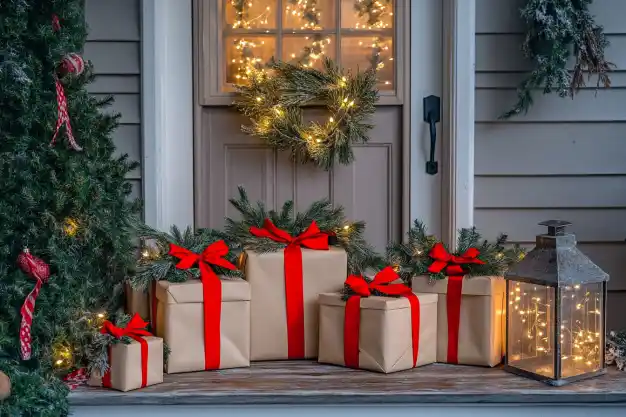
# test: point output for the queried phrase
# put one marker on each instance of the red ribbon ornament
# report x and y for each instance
(311, 238)
(453, 267)
(212, 293)
(135, 329)
(352, 322)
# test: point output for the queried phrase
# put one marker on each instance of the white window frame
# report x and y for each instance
(169, 105)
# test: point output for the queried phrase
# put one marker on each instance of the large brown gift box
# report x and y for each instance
(323, 271)
(180, 322)
(481, 321)
(126, 367)
(385, 334)
(137, 301)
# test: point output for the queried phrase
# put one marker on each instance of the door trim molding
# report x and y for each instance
(167, 112)
(459, 27)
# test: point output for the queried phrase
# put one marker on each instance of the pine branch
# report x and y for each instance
(616, 349)
(329, 219)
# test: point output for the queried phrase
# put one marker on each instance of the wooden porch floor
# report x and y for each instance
(305, 382)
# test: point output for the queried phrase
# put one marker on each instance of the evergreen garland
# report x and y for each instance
(156, 265)
(412, 258)
(274, 105)
(329, 219)
(616, 349)
(556, 31)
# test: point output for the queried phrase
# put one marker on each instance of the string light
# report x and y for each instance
(378, 12)
(70, 226)
(579, 339)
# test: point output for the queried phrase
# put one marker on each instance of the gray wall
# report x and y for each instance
(114, 47)
(565, 159)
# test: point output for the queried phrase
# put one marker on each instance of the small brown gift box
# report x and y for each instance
(322, 271)
(126, 367)
(180, 321)
(385, 342)
(137, 301)
(481, 321)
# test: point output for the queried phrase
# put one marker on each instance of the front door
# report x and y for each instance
(386, 185)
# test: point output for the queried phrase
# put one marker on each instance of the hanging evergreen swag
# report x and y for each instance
(415, 257)
(556, 31)
(156, 265)
(329, 219)
(273, 101)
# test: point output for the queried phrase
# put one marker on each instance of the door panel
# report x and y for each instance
(369, 188)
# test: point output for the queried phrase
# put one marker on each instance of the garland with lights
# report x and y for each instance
(413, 257)
(274, 105)
(310, 14)
(156, 264)
(329, 219)
(556, 31)
(616, 349)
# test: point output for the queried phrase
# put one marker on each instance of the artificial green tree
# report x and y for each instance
(67, 202)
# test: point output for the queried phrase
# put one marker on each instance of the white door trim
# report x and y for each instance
(459, 27)
(167, 112)
(168, 105)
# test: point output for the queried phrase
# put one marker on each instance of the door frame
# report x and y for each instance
(169, 103)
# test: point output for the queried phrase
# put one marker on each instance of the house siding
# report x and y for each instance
(565, 159)
(114, 47)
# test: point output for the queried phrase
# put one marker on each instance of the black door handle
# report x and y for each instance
(432, 114)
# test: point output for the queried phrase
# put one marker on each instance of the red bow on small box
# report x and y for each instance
(212, 293)
(135, 329)
(311, 238)
(453, 267)
(381, 283)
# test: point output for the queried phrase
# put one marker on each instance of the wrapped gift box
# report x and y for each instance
(137, 301)
(480, 330)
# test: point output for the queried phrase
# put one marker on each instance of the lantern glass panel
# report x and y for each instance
(531, 328)
(581, 329)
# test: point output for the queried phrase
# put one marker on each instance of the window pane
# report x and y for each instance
(367, 14)
(366, 52)
(308, 14)
(251, 14)
(245, 53)
(308, 50)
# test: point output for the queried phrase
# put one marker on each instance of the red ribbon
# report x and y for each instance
(453, 267)
(352, 322)
(135, 329)
(311, 238)
(212, 293)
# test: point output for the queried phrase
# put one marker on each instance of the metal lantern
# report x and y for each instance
(556, 311)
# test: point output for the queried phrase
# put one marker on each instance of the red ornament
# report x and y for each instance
(72, 64)
(40, 271)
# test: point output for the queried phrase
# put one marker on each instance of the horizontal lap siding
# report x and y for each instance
(565, 159)
(114, 48)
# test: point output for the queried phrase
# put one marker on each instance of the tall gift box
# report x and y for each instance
(389, 332)
(285, 286)
(137, 301)
(131, 366)
(198, 341)
(470, 320)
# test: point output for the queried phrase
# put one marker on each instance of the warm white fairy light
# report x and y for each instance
(378, 13)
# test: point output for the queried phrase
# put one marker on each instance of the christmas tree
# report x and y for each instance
(64, 198)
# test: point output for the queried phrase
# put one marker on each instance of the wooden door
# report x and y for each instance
(371, 188)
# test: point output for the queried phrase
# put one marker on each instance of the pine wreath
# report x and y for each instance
(273, 101)
(156, 265)
(413, 257)
(556, 31)
(329, 219)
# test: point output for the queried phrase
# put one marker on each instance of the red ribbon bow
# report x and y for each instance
(311, 238)
(212, 293)
(382, 283)
(135, 329)
(453, 266)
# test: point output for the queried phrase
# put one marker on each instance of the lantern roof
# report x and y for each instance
(556, 260)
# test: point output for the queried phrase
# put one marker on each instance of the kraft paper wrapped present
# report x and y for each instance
(378, 332)
(181, 322)
(131, 366)
(470, 327)
(137, 301)
(323, 271)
